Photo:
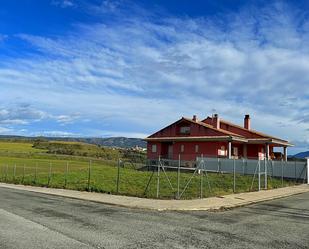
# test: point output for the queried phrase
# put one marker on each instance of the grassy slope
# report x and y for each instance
(18, 147)
(37, 167)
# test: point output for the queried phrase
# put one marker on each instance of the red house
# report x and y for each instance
(212, 137)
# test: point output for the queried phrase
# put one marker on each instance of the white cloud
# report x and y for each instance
(20, 114)
(3, 37)
(5, 131)
(55, 134)
(63, 3)
(66, 119)
(23, 114)
(150, 71)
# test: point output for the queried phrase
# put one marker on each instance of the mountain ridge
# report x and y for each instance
(302, 155)
(121, 142)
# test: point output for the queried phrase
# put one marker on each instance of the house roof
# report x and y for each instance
(263, 135)
(213, 128)
(224, 134)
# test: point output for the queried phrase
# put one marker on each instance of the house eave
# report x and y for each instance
(173, 139)
(195, 138)
(269, 141)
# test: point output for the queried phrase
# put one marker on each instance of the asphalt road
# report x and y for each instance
(32, 220)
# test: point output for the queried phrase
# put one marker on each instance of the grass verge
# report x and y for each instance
(103, 177)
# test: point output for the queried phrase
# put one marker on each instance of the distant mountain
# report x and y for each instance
(121, 142)
(302, 154)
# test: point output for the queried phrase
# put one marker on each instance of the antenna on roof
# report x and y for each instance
(213, 112)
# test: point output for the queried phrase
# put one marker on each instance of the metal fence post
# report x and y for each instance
(23, 179)
(7, 172)
(35, 172)
(295, 171)
(265, 173)
(14, 172)
(246, 166)
(307, 170)
(118, 176)
(158, 177)
(281, 173)
(49, 173)
(259, 174)
(66, 175)
(201, 179)
(178, 178)
(234, 176)
(89, 175)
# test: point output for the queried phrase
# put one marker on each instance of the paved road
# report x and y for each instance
(32, 220)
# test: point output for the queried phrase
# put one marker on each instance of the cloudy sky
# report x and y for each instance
(127, 68)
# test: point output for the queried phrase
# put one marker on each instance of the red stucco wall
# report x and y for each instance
(208, 149)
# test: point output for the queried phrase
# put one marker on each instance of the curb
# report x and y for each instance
(214, 204)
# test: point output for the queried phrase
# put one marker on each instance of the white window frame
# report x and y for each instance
(197, 148)
(185, 130)
(222, 151)
(154, 148)
(235, 151)
(182, 148)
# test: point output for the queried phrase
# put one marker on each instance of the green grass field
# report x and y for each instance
(35, 166)
(19, 147)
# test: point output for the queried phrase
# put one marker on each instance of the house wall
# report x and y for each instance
(208, 149)
(256, 151)
(150, 154)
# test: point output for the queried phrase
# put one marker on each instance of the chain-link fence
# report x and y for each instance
(158, 178)
(209, 176)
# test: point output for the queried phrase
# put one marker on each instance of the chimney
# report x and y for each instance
(216, 121)
(194, 118)
(247, 122)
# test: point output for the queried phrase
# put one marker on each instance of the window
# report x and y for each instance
(182, 148)
(154, 148)
(185, 130)
(221, 151)
(196, 148)
(235, 151)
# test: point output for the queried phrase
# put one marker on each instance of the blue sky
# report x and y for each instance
(127, 68)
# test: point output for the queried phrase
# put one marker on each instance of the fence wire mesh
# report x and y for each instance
(158, 178)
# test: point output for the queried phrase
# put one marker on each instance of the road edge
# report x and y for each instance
(221, 203)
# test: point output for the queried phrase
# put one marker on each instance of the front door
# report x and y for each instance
(170, 151)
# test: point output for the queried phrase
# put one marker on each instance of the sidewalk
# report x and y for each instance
(212, 203)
